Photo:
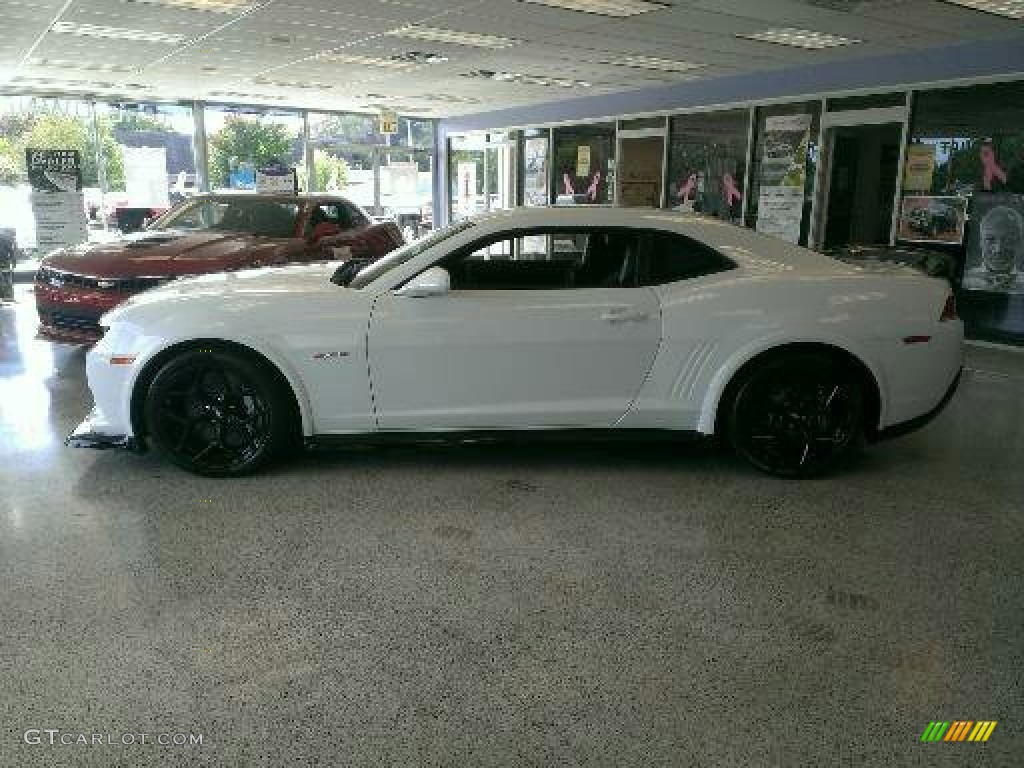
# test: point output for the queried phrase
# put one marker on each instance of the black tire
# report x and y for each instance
(218, 413)
(798, 414)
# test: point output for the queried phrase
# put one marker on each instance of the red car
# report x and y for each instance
(207, 233)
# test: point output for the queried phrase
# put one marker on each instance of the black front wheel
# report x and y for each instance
(216, 412)
(797, 415)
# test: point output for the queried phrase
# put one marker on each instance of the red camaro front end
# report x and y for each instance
(209, 233)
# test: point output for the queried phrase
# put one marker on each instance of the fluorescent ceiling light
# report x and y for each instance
(117, 33)
(523, 79)
(212, 6)
(367, 61)
(436, 35)
(616, 8)
(243, 95)
(1012, 9)
(799, 38)
(82, 65)
(303, 84)
(652, 62)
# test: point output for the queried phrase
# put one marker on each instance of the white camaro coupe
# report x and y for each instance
(571, 320)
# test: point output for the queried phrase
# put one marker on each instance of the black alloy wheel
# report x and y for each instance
(797, 415)
(215, 412)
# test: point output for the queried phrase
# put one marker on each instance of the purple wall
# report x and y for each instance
(994, 57)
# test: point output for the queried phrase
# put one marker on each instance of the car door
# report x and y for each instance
(544, 329)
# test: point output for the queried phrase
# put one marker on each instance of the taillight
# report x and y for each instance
(948, 309)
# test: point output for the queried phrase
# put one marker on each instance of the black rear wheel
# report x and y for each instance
(797, 415)
(216, 412)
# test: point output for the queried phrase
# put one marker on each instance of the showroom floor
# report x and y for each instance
(510, 605)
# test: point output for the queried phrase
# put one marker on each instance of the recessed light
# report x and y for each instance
(211, 6)
(615, 8)
(82, 66)
(520, 78)
(798, 38)
(301, 84)
(1011, 9)
(437, 35)
(420, 57)
(117, 33)
(366, 61)
(652, 62)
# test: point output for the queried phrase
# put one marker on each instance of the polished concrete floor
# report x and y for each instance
(542, 606)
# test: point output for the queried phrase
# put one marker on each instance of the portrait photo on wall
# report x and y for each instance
(928, 219)
(995, 246)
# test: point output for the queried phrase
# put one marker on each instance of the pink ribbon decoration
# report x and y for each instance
(567, 182)
(595, 185)
(732, 192)
(990, 168)
(685, 190)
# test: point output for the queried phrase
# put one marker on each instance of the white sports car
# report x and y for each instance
(586, 319)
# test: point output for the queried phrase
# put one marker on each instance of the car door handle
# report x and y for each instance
(626, 315)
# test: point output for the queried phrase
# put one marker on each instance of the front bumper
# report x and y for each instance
(906, 427)
(91, 434)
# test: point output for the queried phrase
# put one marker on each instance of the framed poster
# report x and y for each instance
(995, 247)
(535, 171)
(783, 176)
(277, 178)
(919, 168)
(58, 203)
(927, 219)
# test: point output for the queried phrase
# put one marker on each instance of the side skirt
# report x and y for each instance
(568, 435)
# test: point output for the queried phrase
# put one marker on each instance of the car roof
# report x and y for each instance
(275, 196)
(751, 249)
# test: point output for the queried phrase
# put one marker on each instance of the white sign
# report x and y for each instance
(60, 219)
(583, 160)
(467, 187)
(145, 177)
(276, 181)
(780, 211)
(388, 122)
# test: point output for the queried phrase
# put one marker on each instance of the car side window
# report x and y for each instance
(352, 216)
(556, 259)
(667, 257)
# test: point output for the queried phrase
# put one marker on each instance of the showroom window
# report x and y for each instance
(57, 124)
(154, 167)
(479, 173)
(583, 164)
(963, 191)
(707, 163)
(533, 162)
(781, 185)
(242, 142)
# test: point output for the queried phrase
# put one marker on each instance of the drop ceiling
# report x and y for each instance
(441, 58)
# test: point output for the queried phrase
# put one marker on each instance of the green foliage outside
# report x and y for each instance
(331, 172)
(57, 131)
(246, 140)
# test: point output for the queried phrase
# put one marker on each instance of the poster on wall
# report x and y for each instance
(58, 203)
(276, 178)
(535, 173)
(783, 176)
(919, 169)
(466, 198)
(995, 247)
(583, 160)
(928, 219)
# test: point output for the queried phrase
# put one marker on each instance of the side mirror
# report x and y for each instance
(433, 282)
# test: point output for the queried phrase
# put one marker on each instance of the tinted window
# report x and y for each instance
(548, 260)
(668, 258)
(254, 216)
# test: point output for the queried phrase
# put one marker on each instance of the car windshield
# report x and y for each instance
(400, 256)
(253, 216)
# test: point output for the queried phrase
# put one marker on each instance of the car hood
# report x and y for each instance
(269, 282)
(165, 253)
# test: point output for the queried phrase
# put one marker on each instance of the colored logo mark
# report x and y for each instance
(959, 730)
